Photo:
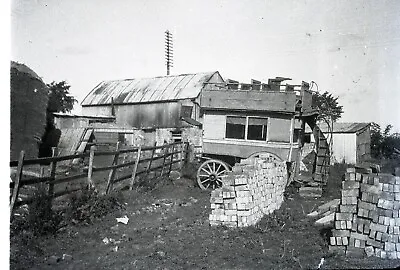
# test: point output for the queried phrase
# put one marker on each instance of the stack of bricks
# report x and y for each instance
(368, 219)
(252, 189)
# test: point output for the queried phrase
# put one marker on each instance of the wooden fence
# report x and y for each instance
(166, 155)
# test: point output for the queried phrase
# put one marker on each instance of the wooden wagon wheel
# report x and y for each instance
(210, 173)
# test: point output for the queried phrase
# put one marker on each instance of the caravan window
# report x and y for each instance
(257, 129)
(235, 127)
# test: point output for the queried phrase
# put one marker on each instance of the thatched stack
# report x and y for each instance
(28, 105)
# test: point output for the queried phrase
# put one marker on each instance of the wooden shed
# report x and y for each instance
(29, 98)
(351, 142)
(149, 103)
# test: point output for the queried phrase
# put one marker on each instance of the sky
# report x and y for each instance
(349, 48)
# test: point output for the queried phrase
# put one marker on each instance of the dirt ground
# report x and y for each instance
(168, 229)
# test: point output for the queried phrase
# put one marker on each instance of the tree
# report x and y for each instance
(60, 99)
(328, 105)
(383, 143)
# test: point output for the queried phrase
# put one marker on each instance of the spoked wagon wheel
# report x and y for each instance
(210, 173)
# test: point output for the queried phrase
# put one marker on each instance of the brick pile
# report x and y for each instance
(368, 219)
(252, 189)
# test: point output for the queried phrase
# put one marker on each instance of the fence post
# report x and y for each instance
(111, 175)
(135, 167)
(90, 169)
(165, 152)
(151, 160)
(182, 152)
(17, 181)
(172, 159)
(53, 166)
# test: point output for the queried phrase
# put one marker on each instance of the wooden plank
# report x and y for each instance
(151, 159)
(113, 171)
(48, 159)
(90, 168)
(181, 156)
(112, 167)
(31, 181)
(273, 101)
(69, 178)
(53, 166)
(172, 159)
(135, 168)
(165, 154)
(17, 181)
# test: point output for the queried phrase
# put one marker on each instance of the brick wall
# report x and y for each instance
(252, 189)
(367, 221)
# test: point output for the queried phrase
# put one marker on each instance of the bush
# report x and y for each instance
(41, 219)
(88, 205)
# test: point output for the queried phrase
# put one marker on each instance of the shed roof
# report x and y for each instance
(342, 127)
(162, 88)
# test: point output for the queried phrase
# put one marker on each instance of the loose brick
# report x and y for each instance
(348, 208)
(358, 236)
(369, 188)
(350, 193)
(375, 243)
(344, 216)
(369, 251)
(341, 233)
(390, 246)
(350, 185)
(366, 205)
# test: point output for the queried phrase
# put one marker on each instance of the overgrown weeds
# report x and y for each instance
(88, 205)
(40, 219)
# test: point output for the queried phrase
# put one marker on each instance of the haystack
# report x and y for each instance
(29, 98)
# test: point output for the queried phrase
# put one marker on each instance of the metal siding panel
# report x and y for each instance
(152, 115)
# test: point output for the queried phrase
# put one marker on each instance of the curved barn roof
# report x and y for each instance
(163, 88)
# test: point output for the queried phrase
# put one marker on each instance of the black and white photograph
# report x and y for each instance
(201, 134)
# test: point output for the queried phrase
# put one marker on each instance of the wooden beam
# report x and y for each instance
(17, 181)
(272, 101)
(135, 168)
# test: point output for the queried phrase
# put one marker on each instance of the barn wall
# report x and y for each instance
(344, 147)
(27, 114)
(364, 145)
(97, 110)
(142, 116)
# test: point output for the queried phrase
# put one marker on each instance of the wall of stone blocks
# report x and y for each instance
(367, 221)
(252, 189)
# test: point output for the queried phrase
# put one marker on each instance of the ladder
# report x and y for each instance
(322, 162)
(322, 159)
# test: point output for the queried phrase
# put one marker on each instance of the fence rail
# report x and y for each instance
(170, 154)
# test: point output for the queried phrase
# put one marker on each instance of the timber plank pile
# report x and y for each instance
(368, 220)
(252, 189)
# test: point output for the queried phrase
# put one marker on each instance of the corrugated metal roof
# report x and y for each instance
(341, 127)
(173, 87)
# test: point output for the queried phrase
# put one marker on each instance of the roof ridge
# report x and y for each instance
(161, 76)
